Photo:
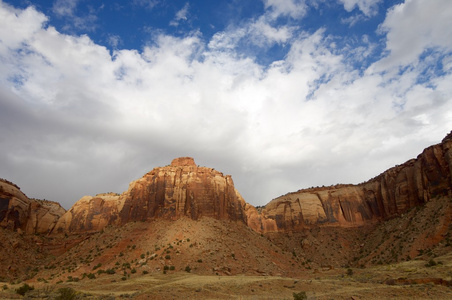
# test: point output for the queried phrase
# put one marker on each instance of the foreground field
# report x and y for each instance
(415, 279)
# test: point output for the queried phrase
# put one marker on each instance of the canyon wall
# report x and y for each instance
(391, 193)
(18, 212)
(171, 192)
(184, 189)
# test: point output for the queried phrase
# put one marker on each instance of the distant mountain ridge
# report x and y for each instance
(184, 189)
(391, 193)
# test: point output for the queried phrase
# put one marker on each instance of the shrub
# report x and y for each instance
(100, 271)
(133, 271)
(431, 263)
(24, 289)
(349, 272)
(187, 269)
(145, 272)
(110, 271)
(91, 276)
(172, 268)
(142, 255)
(97, 266)
(300, 296)
(66, 293)
(167, 257)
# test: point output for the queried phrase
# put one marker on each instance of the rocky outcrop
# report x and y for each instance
(171, 192)
(18, 212)
(91, 213)
(391, 193)
(184, 189)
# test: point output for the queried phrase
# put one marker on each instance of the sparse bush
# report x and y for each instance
(91, 276)
(97, 266)
(66, 293)
(24, 289)
(349, 272)
(431, 263)
(101, 271)
(172, 268)
(110, 271)
(200, 260)
(299, 296)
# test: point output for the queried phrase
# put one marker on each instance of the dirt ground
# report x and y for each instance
(408, 280)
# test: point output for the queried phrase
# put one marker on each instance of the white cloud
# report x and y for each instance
(291, 8)
(182, 14)
(65, 8)
(368, 7)
(415, 26)
(87, 121)
(263, 33)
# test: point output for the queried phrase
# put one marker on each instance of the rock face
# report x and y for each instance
(391, 193)
(183, 189)
(91, 213)
(171, 192)
(18, 212)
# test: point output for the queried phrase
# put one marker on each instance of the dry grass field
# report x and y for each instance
(416, 279)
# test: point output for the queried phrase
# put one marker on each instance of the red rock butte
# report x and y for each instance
(183, 189)
(183, 162)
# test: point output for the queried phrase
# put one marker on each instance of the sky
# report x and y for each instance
(280, 94)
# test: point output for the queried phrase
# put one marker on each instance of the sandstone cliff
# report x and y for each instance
(183, 189)
(180, 189)
(391, 193)
(18, 212)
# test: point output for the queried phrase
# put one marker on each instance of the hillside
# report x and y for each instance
(183, 218)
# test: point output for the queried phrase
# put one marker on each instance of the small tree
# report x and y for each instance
(300, 296)
(24, 289)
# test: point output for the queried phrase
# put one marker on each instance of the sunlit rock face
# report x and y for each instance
(392, 192)
(180, 189)
(183, 189)
(91, 213)
(18, 212)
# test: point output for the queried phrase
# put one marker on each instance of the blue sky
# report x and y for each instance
(281, 94)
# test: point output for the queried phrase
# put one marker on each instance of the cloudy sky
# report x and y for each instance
(281, 94)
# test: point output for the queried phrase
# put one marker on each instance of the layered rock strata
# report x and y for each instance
(180, 189)
(18, 212)
(391, 193)
(184, 189)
